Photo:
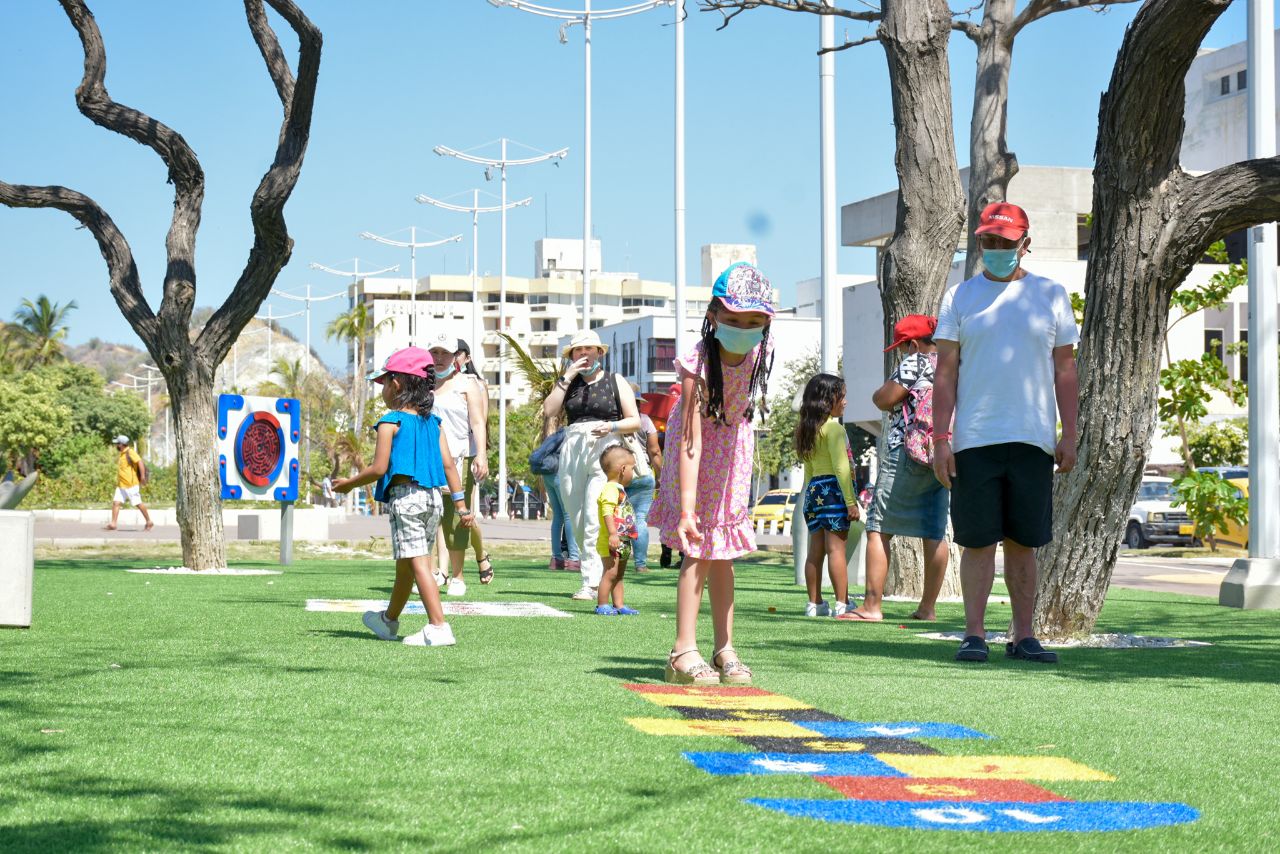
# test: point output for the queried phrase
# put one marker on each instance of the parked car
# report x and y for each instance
(1237, 534)
(776, 505)
(1227, 472)
(1154, 519)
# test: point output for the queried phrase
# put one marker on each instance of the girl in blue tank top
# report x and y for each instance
(411, 461)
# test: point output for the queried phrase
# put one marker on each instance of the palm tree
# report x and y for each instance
(40, 327)
(292, 382)
(541, 375)
(355, 326)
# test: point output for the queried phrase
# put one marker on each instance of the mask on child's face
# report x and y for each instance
(738, 341)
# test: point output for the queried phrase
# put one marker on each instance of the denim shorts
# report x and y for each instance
(909, 501)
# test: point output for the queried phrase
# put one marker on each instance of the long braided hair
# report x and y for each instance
(713, 406)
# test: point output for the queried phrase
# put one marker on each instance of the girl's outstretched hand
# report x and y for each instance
(687, 531)
(342, 484)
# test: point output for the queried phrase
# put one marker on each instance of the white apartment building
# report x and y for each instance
(540, 311)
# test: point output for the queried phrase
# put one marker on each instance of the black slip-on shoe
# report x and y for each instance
(974, 648)
(1029, 649)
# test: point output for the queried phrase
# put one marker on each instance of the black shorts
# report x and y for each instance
(1003, 492)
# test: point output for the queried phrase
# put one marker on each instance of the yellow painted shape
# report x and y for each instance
(835, 747)
(940, 791)
(667, 726)
(767, 702)
(993, 767)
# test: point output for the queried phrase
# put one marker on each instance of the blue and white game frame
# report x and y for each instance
(258, 447)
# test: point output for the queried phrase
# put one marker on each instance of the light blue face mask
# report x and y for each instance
(446, 374)
(1001, 263)
(738, 341)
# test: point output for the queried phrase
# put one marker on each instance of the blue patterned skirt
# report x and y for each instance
(824, 507)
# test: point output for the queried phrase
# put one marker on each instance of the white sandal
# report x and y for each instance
(732, 671)
(700, 673)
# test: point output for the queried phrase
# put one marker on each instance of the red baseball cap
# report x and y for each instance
(1008, 221)
(411, 360)
(911, 327)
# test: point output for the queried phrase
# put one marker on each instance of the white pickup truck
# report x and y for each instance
(1152, 519)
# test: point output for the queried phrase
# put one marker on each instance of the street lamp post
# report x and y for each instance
(681, 334)
(1254, 582)
(501, 163)
(355, 275)
(584, 17)
(475, 209)
(413, 246)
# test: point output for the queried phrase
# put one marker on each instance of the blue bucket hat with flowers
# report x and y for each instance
(742, 287)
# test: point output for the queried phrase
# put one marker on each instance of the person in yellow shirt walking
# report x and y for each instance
(829, 503)
(131, 476)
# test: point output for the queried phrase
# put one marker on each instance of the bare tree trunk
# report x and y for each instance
(906, 569)
(991, 164)
(199, 503)
(1152, 222)
(914, 264)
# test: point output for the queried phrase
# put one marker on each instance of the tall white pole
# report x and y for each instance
(830, 285)
(306, 421)
(413, 284)
(586, 169)
(681, 335)
(502, 347)
(1254, 582)
(270, 360)
(477, 324)
(1264, 409)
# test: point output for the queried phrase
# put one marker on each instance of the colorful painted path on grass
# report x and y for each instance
(886, 775)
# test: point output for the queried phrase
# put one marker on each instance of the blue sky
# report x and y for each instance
(401, 76)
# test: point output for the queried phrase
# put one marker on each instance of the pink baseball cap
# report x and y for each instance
(411, 360)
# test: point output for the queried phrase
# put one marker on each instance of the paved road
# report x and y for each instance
(1193, 576)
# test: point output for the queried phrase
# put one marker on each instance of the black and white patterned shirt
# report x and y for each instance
(914, 373)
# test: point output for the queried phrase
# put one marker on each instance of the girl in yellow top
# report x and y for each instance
(829, 503)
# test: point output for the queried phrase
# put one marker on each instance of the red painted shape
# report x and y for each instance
(938, 789)
(696, 691)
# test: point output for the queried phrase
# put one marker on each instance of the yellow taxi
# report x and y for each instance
(1237, 534)
(776, 505)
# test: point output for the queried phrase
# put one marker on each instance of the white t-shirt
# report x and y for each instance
(1007, 332)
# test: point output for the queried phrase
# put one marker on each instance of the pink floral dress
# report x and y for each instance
(724, 475)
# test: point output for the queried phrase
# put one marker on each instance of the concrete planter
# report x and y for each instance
(17, 562)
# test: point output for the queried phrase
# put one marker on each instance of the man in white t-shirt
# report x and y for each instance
(1006, 366)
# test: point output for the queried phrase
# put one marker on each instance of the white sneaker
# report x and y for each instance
(817, 609)
(432, 636)
(456, 587)
(440, 577)
(840, 608)
(586, 593)
(377, 622)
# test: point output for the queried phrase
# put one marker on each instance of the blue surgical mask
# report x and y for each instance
(595, 366)
(738, 341)
(444, 375)
(1000, 262)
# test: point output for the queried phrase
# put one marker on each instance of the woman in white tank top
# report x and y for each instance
(461, 406)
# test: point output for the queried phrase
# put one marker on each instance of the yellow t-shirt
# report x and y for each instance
(613, 498)
(831, 457)
(127, 468)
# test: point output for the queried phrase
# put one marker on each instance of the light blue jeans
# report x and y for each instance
(640, 494)
(559, 527)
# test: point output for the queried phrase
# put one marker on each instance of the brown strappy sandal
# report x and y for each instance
(732, 671)
(700, 673)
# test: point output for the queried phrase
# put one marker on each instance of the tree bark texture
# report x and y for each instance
(991, 164)
(188, 363)
(1152, 222)
(906, 569)
(914, 264)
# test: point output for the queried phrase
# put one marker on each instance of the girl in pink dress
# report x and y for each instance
(702, 504)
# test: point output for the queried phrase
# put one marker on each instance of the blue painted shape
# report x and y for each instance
(997, 817)
(293, 407)
(824, 764)
(290, 492)
(228, 491)
(227, 403)
(900, 729)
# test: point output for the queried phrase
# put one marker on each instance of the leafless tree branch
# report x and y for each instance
(969, 28)
(874, 37)
(126, 285)
(272, 245)
(730, 9)
(1037, 9)
(184, 169)
(1233, 197)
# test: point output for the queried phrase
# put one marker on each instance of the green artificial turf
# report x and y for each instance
(216, 713)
